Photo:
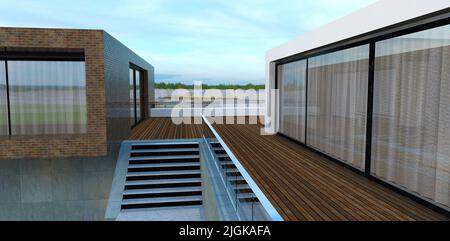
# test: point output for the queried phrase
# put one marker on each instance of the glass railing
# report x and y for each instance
(248, 201)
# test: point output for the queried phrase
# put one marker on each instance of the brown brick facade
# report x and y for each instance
(94, 143)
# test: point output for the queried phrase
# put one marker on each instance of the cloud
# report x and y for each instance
(214, 40)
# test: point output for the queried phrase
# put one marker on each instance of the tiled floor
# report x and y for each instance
(59, 189)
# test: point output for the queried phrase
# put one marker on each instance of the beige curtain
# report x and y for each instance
(47, 97)
(292, 79)
(411, 125)
(337, 104)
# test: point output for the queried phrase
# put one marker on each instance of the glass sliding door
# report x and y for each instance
(136, 104)
(47, 97)
(337, 104)
(292, 81)
(132, 98)
(4, 129)
(138, 96)
(411, 119)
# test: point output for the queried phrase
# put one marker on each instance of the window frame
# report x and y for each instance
(430, 21)
(142, 106)
(32, 54)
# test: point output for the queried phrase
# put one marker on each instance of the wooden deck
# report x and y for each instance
(164, 128)
(301, 184)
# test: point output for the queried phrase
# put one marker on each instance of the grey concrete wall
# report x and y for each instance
(69, 189)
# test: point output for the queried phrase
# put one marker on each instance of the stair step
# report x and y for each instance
(164, 152)
(139, 174)
(233, 172)
(161, 202)
(163, 175)
(163, 183)
(243, 190)
(164, 157)
(228, 166)
(150, 160)
(222, 156)
(215, 144)
(238, 180)
(220, 152)
(140, 146)
(164, 167)
(248, 200)
(162, 192)
(224, 159)
(246, 195)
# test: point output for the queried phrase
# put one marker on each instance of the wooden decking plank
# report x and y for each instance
(301, 184)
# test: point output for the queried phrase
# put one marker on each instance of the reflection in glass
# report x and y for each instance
(132, 99)
(3, 101)
(292, 80)
(47, 97)
(337, 104)
(411, 121)
(138, 96)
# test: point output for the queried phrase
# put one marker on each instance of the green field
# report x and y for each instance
(38, 114)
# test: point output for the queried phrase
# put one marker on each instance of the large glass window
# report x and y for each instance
(47, 97)
(337, 104)
(135, 96)
(138, 96)
(411, 119)
(3, 101)
(132, 98)
(292, 80)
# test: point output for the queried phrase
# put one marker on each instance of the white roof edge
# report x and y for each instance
(378, 15)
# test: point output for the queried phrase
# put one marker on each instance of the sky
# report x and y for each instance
(214, 41)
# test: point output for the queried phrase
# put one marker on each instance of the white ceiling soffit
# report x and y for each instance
(376, 16)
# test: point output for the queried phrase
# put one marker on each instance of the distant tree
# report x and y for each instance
(163, 85)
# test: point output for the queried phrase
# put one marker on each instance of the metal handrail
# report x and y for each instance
(271, 211)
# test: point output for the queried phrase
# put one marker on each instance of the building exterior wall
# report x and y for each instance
(107, 64)
(68, 177)
(382, 14)
(94, 142)
(392, 57)
(117, 62)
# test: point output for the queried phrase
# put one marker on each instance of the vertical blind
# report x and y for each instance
(411, 119)
(292, 79)
(47, 97)
(3, 101)
(337, 104)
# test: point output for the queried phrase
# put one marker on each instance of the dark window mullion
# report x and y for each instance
(306, 101)
(368, 164)
(134, 97)
(8, 102)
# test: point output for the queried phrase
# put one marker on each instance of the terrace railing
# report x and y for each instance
(249, 202)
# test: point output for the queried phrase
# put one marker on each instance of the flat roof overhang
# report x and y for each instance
(375, 22)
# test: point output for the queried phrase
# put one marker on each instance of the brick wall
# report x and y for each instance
(94, 143)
